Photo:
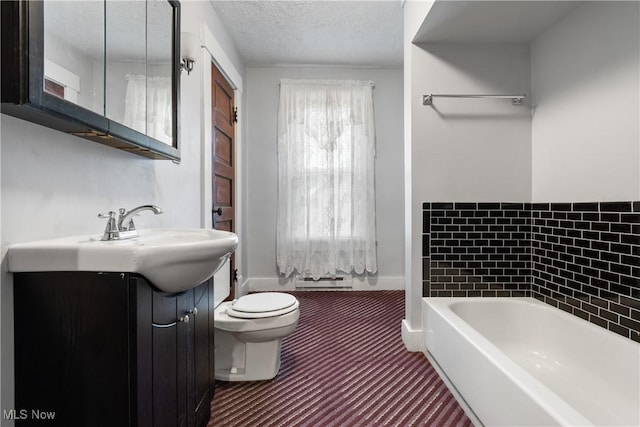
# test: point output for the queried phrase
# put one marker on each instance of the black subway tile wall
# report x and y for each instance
(478, 249)
(583, 258)
(586, 261)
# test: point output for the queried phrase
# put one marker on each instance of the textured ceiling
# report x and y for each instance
(315, 33)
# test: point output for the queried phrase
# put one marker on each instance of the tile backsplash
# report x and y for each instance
(479, 249)
(583, 258)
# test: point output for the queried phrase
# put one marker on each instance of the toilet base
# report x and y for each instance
(245, 361)
(241, 375)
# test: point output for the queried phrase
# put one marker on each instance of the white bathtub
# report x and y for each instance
(520, 362)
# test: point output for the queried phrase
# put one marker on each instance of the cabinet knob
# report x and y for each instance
(184, 319)
(193, 311)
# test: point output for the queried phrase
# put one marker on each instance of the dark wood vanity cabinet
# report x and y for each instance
(105, 349)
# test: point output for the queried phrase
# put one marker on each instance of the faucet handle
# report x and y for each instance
(111, 230)
(110, 215)
(130, 226)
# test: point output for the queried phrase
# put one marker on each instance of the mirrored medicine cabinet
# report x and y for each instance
(107, 71)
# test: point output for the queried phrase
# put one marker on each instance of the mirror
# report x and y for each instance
(116, 59)
(159, 66)
(74, 52)
(139, 65)
(125, 70)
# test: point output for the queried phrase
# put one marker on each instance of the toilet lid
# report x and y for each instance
(264, 304)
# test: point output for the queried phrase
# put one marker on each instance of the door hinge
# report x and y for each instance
(235, 114)
(235, 274)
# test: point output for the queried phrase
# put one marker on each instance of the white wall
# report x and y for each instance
(470, 149)
(54, 184)
(464, 149)
(414, 14)
(585, 84)
(262, 177)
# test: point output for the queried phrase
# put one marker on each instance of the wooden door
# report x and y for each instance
(223, 156)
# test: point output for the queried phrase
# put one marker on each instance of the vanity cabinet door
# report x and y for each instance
(160, 362)
(141, 359)
(72, 347)
(105, 349)
(182, 357)
(201, 353)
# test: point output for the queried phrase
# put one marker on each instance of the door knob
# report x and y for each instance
(218, 211)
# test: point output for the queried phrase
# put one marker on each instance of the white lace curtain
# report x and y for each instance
(326, 199)
(147, 106)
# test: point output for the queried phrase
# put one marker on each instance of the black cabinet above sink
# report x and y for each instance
(107, 71)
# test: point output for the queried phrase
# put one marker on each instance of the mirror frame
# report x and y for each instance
(23, 63)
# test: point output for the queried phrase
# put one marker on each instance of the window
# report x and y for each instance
(326, 218)
(323, 170)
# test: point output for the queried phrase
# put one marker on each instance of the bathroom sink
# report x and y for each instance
(173, 260)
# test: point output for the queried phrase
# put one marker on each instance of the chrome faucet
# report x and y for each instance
(124, 228)
(124, 216)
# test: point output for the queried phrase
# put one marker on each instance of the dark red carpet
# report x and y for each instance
(345, 365)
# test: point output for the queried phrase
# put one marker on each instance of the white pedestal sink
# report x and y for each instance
(173, 260)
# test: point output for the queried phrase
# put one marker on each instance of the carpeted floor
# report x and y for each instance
(345, 365)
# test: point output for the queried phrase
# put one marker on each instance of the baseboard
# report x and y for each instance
(260, 284)
(413, 339)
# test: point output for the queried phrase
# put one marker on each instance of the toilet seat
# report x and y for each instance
(261, 305)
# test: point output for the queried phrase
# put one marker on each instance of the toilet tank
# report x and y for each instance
(222, 283)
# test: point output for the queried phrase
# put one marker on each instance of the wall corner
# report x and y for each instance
(412, 338)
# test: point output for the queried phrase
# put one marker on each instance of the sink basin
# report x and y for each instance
(173, 260)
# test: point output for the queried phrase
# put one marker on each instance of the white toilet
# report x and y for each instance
(248, 334)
